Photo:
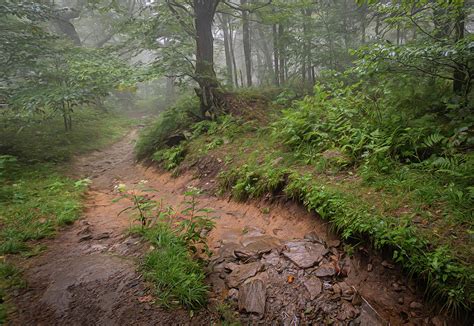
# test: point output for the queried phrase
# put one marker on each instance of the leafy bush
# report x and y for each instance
(169, 128)
(170, 157)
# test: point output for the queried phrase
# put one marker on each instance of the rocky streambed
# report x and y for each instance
(297, 282)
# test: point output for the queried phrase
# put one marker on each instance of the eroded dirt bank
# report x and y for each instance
(274, 261)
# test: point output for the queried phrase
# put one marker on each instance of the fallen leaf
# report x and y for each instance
(290, 279)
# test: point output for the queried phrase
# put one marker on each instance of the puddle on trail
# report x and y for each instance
(275, 262)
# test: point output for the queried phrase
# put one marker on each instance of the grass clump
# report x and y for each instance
(34, 202)
(10, 277)
(179, 278)
(176, 238)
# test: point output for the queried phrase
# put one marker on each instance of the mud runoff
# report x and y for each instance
(274, 263)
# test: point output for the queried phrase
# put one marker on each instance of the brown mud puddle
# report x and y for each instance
(275, 262)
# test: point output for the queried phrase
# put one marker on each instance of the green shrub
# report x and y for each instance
(174, 122)
(250, 181)
(170, 157)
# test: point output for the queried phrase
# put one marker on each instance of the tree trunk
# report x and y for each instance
(205, 75)
(232, 54)
(460, 83)
(281, 53)
(228, 59)
(246, 42)
(276, 55)
(266, 52)
(170, 90)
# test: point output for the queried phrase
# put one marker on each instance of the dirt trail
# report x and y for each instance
(88, 275)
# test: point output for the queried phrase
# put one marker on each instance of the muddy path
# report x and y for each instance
(88, 275)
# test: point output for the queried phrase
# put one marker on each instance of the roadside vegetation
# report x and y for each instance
(378, 140)
(175, 264)
(36, 199)
(397, 176)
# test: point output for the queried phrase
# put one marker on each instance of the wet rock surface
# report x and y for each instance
(296, 282)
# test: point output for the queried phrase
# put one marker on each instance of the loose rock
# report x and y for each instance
(258, 245)
(370, 267)
(314, 287)
(252, 296)
(304, 254)
(347, 311)
(243, 272)
(386, 264)
(325, 270)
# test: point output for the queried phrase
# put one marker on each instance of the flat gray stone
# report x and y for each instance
(325, 270)
(304, 254)
(227, 250)
(314, 287)
(260, 244)
(271, 259)
(242, 272)
(252, 296)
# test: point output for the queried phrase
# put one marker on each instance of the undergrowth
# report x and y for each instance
(45, 140)
(174, 265)
(35, 198)
(169, 128)
(34, 202)
(380, 161)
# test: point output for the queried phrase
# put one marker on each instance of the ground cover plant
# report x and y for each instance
(175, 264)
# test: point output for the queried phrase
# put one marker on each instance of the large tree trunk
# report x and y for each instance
(246, 42)
(205, 75)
